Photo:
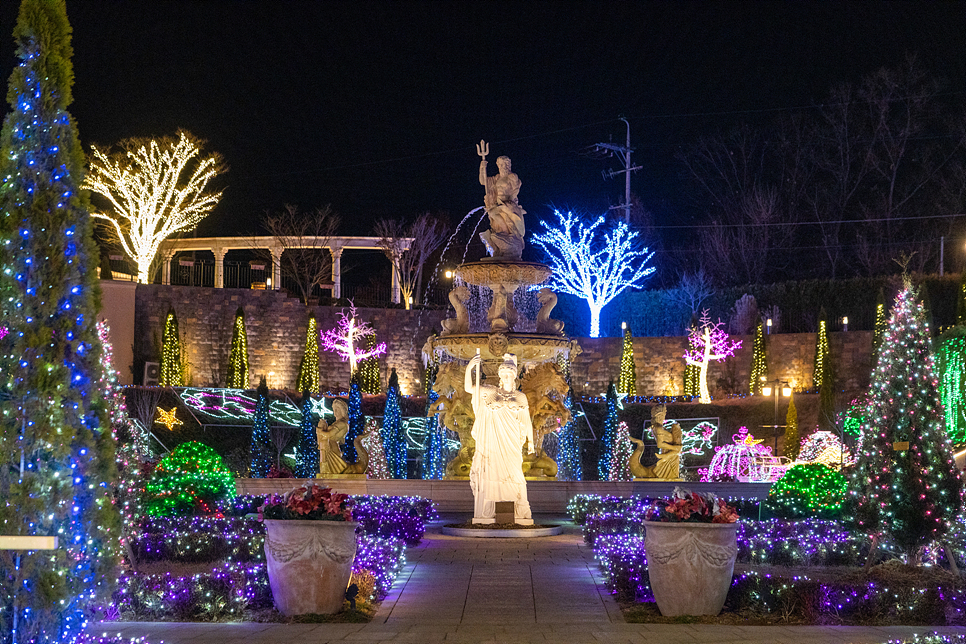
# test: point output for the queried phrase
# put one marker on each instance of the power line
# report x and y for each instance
(807, 223)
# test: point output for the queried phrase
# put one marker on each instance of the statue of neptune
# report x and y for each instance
(501, 429)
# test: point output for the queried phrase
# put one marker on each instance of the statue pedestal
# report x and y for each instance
(341, 476)
(484, 520)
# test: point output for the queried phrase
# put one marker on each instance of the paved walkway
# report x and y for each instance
(467, 591)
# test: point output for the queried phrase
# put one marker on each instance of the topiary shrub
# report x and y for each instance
(808, 490)
(189, 480)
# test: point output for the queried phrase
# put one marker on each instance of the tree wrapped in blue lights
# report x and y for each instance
(609, 438)
(393, 437)
(261, 461)
(238, 358)
(593, 263)
(905, 483)
(434, 458)
(568, 447)
(309, 368)
(56, 442)
(307, 463)
(357, 421)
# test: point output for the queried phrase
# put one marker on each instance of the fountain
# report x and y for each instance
(502, 281)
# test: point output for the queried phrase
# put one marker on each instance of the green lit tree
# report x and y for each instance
(879, 330)
(261, 445)
(905, 483)
(961, 302)
(238, 357)
(692, 372)
(369, 377)
(55, 435)
(759, 363)
(627, 383)
(309, 379)
(823, 376)
(172, 370)
(189, 480)
(791, 444)
(609, 439)
(810, 490)
(393, 437)
(307, 463)
(951, 364)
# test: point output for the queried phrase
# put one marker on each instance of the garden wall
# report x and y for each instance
(276, 337)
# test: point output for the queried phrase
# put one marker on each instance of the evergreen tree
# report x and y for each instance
(759, 363)
(393, 438)
(261, 438)
(608, 440)
(951, 365)
(307, 464)
(371, 439)
(568, 447)
(369, 376)
(880, 325)
(55, 434)
(357, 421)
(172, 371)
(824, 377)
(434, 459)
(692, 372)
(309, 367)
(627, 384)
(905, 482)
(620, 469)
(238, 358)
(791, 444)
(820, 371)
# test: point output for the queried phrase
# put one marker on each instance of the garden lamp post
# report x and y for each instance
(781, 388)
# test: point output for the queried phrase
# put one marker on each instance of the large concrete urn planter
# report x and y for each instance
(690, 565)
(309, 564)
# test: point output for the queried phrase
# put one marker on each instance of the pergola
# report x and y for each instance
(219, 246)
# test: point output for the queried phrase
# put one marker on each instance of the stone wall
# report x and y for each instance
(276, 338)
(276, 327)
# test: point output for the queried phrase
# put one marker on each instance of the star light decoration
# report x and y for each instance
(152, 193)
(593, 264)
(168, 418)
(345, 339)
(708, 342)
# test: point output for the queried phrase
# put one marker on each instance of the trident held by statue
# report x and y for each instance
(483, 149)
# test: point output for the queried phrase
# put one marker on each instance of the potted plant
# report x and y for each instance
(691, 544)
(310, 543)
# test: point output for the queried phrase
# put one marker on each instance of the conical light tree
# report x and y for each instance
(568, 446)
(172, 371)
(357, 421)
(261, 445)
(309, 379)
(951, 365)
(905, 483)
(879, 330)
(434, 459)
(609, 438)
(790, 446)
(57, 451)
(823, 377)
(759, 363)
(709, 342)
(307, 463)
(238, 357)
(393, 437)
(620, 456)
(627, 383)
(369, 377)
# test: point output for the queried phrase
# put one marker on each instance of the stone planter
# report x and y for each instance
(309, 564)
(690, 565)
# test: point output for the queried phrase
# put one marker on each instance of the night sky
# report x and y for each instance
(376, 107)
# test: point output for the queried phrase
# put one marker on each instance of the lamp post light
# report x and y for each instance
(845, 323)
(448, 274)
(781, 388)
(768, 326)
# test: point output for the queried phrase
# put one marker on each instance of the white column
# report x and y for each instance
(395, 284)
(336, 252)
(219, 267)
(277, 268)
(166, 272)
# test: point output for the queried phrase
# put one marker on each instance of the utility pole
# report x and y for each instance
(624, 153)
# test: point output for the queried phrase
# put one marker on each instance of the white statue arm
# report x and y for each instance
(469, 385)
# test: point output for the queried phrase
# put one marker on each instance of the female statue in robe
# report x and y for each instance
(331, 438)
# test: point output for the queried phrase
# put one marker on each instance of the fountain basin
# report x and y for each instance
(499, 271)
(528, 347)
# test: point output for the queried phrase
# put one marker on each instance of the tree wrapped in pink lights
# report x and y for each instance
(347, 337)
(708, 342)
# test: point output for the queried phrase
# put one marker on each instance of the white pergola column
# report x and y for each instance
(219, 266)
(277, 268)
(166, 271)
(396, 298)
(336, 252)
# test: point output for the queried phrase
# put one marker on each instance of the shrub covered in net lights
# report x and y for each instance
(189, 480)
(808, 490)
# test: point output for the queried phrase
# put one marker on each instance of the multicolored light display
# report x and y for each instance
(744, 460)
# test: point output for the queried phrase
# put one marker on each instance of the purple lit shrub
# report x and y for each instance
(613, 523)
(622, 561)
(803, 543)
(383, 557)
(401, 517)
(199, 539)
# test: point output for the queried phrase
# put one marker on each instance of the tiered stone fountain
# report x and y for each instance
(542, 349)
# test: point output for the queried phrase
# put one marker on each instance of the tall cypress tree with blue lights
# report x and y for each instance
(434, 459)
(609, 439)
(56, 445)
(568, 446)
(261, 440)
(357, 421)
(307, 465)
(393, 437)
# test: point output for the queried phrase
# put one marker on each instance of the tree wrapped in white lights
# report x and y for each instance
(153, 192)
(346, 339)
(709, 342)
(593, 264)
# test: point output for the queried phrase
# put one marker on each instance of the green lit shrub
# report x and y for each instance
(809, 490)
(187, 481)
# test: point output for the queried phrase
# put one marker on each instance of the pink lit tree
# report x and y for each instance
(709, 342)
(346, 339)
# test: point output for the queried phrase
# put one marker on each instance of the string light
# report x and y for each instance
(434, 458)
(229, 406)
(152, 192)
(238, 357)
(708, 342)
(692, 372)
(744, 460)
(172, 374)
(309, 376)
(620, 455)
(344, 339)
(952, 384)
(807, 490)
(569, 466)
(393, 439)
(378, 467)
(627, 383)
(369, 368)
(191, 478)
(307, 460)
(357, 421)
(168, 418)
(609, 438)
(594, 265)
(759, 363)
(261, 458)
